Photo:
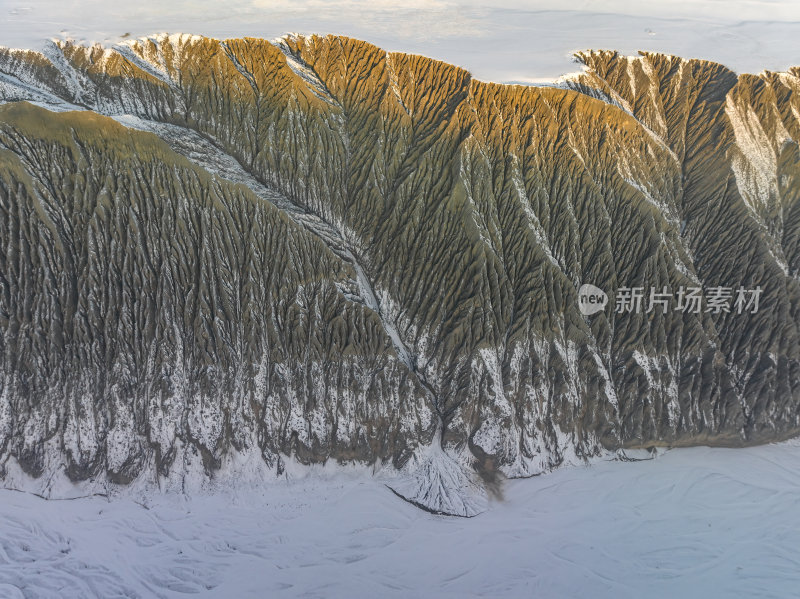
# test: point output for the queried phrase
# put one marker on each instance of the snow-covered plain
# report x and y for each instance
(694, 522)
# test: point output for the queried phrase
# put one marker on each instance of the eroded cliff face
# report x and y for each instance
(149, 308)
(336, 252)
(738, 158)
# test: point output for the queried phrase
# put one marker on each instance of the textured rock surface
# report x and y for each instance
(361, 253)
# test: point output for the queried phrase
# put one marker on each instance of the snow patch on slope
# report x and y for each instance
(305, 72)
(442, 485)
(76, 84)
(755, 166)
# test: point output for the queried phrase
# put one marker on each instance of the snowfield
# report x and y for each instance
(695, 522)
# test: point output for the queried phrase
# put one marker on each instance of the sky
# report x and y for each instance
(506, 40)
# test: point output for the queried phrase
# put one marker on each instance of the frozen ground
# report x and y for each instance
(505, 40)
(691, 523)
